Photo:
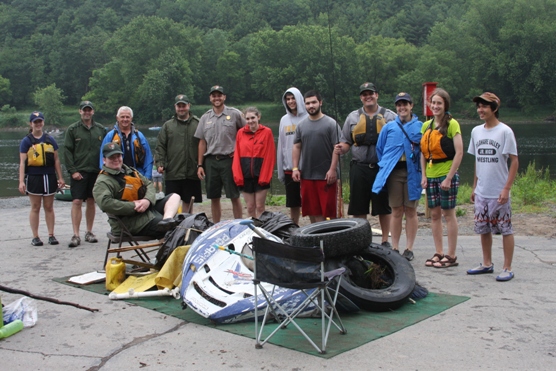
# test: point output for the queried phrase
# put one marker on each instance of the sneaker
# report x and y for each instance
(75, 241)
(506, 275)
(386, 244)
(36, 242)
(52, 240)
(481, 269)
(408, 254)
(90, 237)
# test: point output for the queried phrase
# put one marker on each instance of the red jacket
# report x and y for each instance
(254, 156)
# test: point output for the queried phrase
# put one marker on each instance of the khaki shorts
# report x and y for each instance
(398, 194)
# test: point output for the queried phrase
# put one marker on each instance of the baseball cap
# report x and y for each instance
(367, 86)
(182, 98)
(86, 103)
(36, 116)
(487, 97)
(217, 88)
(403, 96)
(110, 149)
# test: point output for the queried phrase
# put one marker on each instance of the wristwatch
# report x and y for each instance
(201, 165)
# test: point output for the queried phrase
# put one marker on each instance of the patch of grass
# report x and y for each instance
(345, 191)
(464, 194)
(533, 190)
(275, 200)
(460, 212)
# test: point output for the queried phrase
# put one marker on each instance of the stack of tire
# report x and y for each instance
(348, 243)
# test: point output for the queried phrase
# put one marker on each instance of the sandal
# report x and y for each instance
(430, 262)
(446, 262)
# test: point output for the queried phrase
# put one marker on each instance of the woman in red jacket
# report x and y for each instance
(254, 159)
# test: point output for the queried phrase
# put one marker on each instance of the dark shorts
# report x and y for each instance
(319, 198)
(186, 188)
(492, 216)
(438, 197)
(151, 229)
(157, 178)
(293, 191)
(83, 189)
(41, 185)
(218, 174)
(361, 179)
(251, 185)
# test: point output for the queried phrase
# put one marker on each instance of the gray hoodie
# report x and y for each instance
(286, 134)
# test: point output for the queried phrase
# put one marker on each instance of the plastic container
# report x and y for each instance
(11, 328)
(115, 273)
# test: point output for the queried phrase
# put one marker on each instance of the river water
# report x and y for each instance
(535, 142)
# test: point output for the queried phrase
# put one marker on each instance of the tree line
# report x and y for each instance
(141, 53)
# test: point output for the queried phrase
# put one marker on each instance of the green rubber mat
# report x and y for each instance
(362, 327)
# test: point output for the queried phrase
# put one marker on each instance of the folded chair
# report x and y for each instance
(299, 268)
(134, 245)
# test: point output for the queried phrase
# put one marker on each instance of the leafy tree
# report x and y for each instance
(50, 101)
(5, 91)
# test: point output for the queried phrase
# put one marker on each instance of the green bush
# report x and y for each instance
(10, 118)
(533, 187)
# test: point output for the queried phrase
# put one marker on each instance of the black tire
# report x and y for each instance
(398, 273)
(339, 236)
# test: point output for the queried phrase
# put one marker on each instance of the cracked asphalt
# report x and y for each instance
(503, 326)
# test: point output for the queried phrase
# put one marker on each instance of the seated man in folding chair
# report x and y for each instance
(121, 191)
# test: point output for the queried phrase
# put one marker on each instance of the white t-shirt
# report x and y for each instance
(491, 148)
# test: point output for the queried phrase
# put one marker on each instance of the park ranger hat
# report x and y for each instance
(403, 96)
(367, 86)
(487, 97)
(85, 104)
(217, 88)
(110, 149)
(182, 98)
(36, 116)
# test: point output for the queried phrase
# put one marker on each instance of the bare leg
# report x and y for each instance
(260, 200)
(295, 213)
(250, 204)
(237, 208)
(395, 226)
(316, 218)
(452, 226)
(436, 226)
(411, 226)
(90, 210)
(48, 204)
(216, 209)
(76, 215)
(508, 243)
(34, 214)
(385, 220)
(172, 205)
(486, 244)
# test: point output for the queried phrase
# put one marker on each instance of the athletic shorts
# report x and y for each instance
(361, 179)
(151, 229)
(83, 189)
(218, 174)
(186, 188)
(437, 197)
(251, 185)
(492, 216)
(41, 185)
(157, 178)
(398, 193)
(293, 191)
(318, 198)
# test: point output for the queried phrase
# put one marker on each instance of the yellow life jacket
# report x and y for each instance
(437, 147)
(133, 188)
(138, 149)
(365, 132)
(40, 153)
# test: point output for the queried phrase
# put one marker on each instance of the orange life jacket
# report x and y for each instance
(437, 147)
(138, 149)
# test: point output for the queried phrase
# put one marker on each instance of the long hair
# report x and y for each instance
(443, 124)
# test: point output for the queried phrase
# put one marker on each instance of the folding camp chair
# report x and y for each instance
(299, 268)
(125, 236)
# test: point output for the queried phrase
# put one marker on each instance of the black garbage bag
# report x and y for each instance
(277, 223)
(194, 223)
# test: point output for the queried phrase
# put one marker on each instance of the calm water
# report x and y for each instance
(536, 142)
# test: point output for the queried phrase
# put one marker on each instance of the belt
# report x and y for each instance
(370, 165)
(400, 165)
(220, 157)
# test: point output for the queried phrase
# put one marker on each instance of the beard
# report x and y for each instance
(314, 111)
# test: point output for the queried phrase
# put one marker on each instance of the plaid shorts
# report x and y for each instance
(438, 197)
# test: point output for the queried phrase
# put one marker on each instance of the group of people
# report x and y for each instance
(394, 157)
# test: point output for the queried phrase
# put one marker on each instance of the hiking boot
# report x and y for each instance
(90, 237)
(408, 254)
(52, 240)
(75, 241)
(36, 242)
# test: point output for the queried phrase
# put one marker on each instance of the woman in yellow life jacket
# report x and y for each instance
(38, 166)
(442, 151)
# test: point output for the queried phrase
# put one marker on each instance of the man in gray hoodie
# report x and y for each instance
(295, 112)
